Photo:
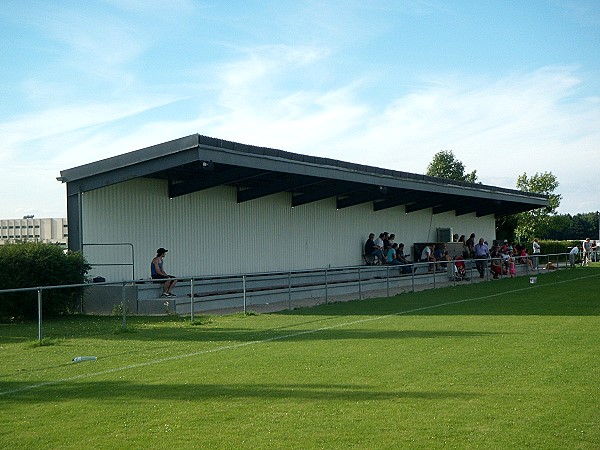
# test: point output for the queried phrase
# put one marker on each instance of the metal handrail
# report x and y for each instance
(244, 277)
(132, 264)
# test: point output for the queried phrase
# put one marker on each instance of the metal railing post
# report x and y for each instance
(387, 277)
(123, 307)
(471, 270)
(244, 288)
(326, 287)
(359, 284)
(39, 299)
(191, 299)
(290, 290)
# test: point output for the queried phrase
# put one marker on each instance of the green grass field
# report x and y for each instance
(498, 365)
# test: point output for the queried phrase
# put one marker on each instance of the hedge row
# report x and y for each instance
(552, 247)
(33, 264)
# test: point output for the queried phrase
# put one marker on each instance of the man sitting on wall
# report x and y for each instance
(400, 256)
(391, 255)
(157, 272)
(371, 249)
(380, 246)
(441, 254)
(427, 256)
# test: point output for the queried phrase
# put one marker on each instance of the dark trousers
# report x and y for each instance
(481, 265)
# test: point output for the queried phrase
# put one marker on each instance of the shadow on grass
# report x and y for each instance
(564, 293)
(109, 390)
(298, 335)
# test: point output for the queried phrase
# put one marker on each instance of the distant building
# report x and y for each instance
(49, 230)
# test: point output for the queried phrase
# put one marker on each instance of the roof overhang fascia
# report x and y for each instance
(131, 165)
(351, 184)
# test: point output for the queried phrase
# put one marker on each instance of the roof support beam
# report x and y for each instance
(424, 203)
(491, 207)
(467, 208)
(207, 180)
(449, 205)
(323, 192)
(404, 198)
(363, 196)
(287, 184)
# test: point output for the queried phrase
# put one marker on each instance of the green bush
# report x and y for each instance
(552, 247)
(34, 264)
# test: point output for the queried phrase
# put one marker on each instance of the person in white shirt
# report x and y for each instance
(573, 255)
(587, 252)
(427, 256)
(482, 253)
(536, 251)
(379, 242)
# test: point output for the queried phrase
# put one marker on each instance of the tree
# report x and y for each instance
(505, 227)
(536, 223)
(584, 225)
(445, 165)
(559, 228)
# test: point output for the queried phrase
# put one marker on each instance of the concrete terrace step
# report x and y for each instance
(286, 290)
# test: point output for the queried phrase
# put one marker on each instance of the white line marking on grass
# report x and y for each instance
(276, 338)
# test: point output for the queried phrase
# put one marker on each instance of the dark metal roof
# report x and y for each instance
(198, 162)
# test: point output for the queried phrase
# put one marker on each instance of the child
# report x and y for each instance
(461, 271)
(511, 267)
(496, 268)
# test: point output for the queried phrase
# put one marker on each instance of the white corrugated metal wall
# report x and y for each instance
(209, 233)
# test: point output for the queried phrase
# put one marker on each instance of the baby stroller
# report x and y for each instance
(460, 271)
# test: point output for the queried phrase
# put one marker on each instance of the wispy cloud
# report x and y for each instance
(262, 69)
(584, 12)
(92, 40)
(523, 122)
(501, 128)
(20, 132)
(298, 89)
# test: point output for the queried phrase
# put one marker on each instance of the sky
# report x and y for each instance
(511, 87)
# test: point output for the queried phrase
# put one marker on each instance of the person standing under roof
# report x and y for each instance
(470, 244)
(482, 253)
